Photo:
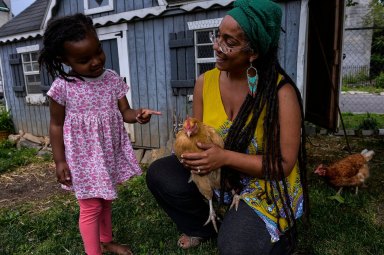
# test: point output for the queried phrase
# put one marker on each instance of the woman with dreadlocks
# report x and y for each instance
(257, 109)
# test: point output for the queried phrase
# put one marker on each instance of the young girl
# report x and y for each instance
(88, 106)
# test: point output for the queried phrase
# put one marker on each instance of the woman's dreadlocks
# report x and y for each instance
(241, 133)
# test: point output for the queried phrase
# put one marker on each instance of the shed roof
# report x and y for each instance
(30, 19)
(31, 22)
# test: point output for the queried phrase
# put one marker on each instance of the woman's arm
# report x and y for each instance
(290, 126)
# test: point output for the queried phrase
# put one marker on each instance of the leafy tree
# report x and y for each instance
(351, 3)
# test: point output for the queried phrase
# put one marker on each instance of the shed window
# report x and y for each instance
(97, 6)
(31, 72)
(204, 54)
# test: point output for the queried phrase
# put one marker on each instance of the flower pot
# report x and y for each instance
(4, 135)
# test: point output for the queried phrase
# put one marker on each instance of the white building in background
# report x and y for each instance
(357, 39)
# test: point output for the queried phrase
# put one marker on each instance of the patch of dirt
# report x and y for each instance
(34, 182)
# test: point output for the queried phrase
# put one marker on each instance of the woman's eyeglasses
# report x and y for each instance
(223, 47)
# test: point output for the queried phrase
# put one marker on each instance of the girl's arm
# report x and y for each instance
(140, 115)
(214, 157)
(57, 115)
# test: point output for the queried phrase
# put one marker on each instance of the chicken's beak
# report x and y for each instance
(189, 133)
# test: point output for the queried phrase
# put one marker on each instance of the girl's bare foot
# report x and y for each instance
(116, 248)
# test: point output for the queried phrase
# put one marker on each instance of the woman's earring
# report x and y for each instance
(253, 79)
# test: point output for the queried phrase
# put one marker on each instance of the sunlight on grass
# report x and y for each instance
(353, 121)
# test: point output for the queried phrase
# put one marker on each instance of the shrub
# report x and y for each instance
(6, 123)
(380, 80)
(368, 123)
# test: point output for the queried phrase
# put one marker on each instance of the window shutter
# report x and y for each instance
(182, 62)
(18, 75)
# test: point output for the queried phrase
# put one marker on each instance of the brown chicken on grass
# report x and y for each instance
(351, 171)
(195, 131)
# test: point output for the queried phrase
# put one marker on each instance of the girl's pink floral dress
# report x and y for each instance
(97, 148)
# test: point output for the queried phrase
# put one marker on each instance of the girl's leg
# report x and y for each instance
(105, 224)
(167, 179)
(243, 232)
(90, 210)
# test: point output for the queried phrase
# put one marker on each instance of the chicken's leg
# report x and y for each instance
(212, 216)
(235, 200)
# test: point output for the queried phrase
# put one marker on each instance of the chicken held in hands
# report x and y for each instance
(351, 171)
(195, 131)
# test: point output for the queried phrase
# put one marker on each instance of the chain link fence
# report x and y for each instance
(363, 71)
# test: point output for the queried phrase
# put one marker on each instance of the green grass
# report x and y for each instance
(11, 157)
(354, 227)
(353, 121)
(367, 88)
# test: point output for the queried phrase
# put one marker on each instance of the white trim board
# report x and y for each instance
(114, 18)
(205, 4)
(202, 24)
(301, 65)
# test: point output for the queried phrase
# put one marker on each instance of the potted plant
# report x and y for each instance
(6, 124)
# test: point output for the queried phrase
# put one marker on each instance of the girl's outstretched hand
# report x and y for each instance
(144, 115)
(63, 174)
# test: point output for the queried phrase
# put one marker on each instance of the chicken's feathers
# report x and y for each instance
(368, 155)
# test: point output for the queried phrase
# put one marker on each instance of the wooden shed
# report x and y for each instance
(158, 46)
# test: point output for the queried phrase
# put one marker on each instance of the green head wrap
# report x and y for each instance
(260, 20)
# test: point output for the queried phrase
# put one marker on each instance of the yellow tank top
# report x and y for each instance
(254, 188)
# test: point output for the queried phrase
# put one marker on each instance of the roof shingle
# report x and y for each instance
(28, 20)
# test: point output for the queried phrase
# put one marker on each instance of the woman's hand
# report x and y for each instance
(63, 174)
(144, 115)
(204, 162)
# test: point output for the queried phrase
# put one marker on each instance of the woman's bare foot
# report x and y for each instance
(116, 248)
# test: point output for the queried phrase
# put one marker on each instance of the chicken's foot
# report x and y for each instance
(235, 201)
(212, 216)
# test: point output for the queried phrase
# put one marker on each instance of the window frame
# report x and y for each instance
(29, 50)
(196, 47)
(105, 8)
(200, 26)
(30, 73)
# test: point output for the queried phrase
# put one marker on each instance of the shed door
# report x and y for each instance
(114, 43)
(326, 19)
